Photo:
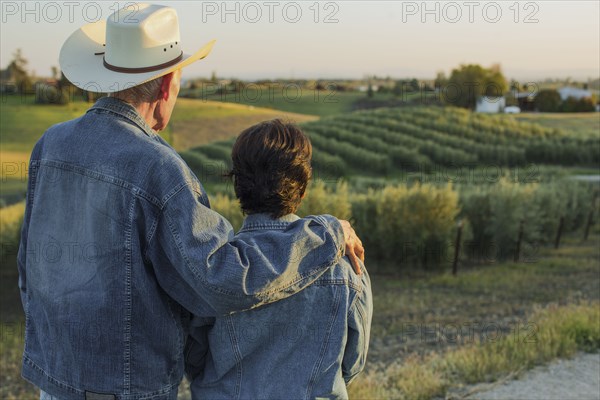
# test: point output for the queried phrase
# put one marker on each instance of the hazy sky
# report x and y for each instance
(348, 39)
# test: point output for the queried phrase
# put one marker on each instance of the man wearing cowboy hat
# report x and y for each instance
(119, 246)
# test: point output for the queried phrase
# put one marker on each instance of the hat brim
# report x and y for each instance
(85, 69)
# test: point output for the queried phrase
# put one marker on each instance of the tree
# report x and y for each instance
(18, 70)
(398, 88)
(469, 82)
(54, 69)
(370, 90)
(547, 100)
(585, 104)
(440, 80)
(514, 85)
(414, 85)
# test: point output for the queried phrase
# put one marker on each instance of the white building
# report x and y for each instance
(487, 104)
(576, 93)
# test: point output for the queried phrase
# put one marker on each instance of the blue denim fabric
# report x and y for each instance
(307, 346)
(46, 396)
(119, 246)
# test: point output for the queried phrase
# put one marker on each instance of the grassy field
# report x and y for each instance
(291, 99)
(306, 100)
(197, 122)
(434, 334)
(583, 124)
(194, 123)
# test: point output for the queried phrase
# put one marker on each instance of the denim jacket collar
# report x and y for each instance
(125, 110)
(261, 221)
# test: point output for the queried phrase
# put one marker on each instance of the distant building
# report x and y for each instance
(365, 88)
(526, 101)
(576, 93)
(491, 105)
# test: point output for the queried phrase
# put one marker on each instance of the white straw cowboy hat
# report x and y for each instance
(135, 45)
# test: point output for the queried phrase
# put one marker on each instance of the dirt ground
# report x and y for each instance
(578, 378)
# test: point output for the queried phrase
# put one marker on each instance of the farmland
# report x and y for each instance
(392, 142)
(585, 124)
(194, 123)
(409, 178)
(303, 99)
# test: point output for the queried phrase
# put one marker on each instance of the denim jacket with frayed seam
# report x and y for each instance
(307, 346)
(119, 247)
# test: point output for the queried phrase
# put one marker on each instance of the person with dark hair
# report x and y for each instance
(310, 345)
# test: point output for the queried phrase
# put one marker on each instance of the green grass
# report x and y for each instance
(12, 190)
(12, 386)
(303, 100)
(555, 331)
(22, 122)
(493, 292)
(527, 314)
(194, 122)
(582, 124)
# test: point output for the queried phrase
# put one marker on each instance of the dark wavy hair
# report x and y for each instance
(271, 168)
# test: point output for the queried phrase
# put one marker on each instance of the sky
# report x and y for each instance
(532, 40)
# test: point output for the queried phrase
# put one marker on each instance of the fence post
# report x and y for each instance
(590, 219)
(519, 239)
(457, 248)
(588, 224)
(559, 232)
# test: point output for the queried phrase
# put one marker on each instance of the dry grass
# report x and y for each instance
(555, 331)
(198, 122)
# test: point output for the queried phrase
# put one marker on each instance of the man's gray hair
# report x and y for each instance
(144, 93)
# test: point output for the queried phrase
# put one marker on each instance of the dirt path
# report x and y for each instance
(578, 378)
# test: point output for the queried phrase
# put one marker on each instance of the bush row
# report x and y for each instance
(416, 226)
(391, 141)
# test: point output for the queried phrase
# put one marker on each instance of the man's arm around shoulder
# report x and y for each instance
(200, 263)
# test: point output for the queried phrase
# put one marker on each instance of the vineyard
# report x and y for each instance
(389, 142)
(359, 161)
(373, 150)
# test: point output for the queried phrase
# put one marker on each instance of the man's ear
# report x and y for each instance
(165, 86)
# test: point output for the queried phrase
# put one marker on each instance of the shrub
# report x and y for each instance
(365, 221)
(415, 225)
(547, 100)
(206, 169)
(323, 200)
(229, 208)
(572, 104)
(51, 94)
(495, 213)
(216, 151)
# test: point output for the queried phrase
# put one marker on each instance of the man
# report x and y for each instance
(118, 245)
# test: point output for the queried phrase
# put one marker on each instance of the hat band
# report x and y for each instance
(142, 69)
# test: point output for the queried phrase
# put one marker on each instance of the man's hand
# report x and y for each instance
(354, 247)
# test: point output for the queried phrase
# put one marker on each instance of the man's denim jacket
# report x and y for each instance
(119, 246)
(307, 346)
